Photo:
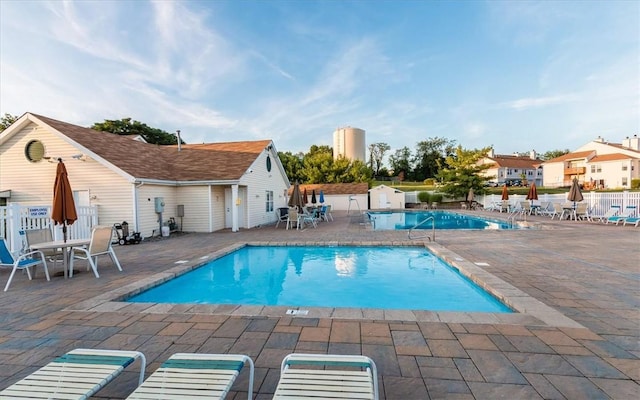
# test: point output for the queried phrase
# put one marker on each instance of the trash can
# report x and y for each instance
(165, 231)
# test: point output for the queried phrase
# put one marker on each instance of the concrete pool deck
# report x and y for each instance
(585, 273)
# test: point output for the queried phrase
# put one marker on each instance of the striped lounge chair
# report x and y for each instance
(195, 376)
(342, 377)
(77, 374)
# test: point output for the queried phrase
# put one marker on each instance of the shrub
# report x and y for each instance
(424, 197)
(436, 198)
(635, 184)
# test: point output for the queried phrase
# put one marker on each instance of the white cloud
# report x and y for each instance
(535, 102)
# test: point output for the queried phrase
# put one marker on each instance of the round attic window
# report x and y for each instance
(34, 151)
(268, 164)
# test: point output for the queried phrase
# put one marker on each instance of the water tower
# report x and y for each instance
(349, 143)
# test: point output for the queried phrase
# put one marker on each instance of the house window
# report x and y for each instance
(34, 151)
(624, 181)
(593, 169)
(269, 201)
(624, 167)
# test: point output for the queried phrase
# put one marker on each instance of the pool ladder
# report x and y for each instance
(433, 230)
(514, 215)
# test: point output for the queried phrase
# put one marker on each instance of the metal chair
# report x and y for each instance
(24, 262)
(100, 245)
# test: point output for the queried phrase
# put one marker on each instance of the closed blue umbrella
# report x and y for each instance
(321, 199)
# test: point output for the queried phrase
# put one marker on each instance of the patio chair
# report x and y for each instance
(23, 262)
(628, 212)
(546, 208)
(293, 218)
(308, 217)
(77, 374)
(35, 236)
(282, 214)
(190, 375)
(557, 211)
(613, 210)
(343, 377)
(504, 206)
(100, 245)
(328, 214)
(582, 212)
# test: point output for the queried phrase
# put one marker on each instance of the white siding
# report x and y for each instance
(196, 208)
(256, 185)
(148, 221)
(218, 207)
(31, 183)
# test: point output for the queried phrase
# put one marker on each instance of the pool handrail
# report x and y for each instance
(433, 229)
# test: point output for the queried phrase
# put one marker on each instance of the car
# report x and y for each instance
(490, 184)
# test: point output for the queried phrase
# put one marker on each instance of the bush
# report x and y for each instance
(436, 198)
(635, 184)
(424, 197)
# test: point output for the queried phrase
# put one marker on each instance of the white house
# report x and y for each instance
(383, 197)
(509, 168)
(204, 187)
(342, 196)
(597, 165)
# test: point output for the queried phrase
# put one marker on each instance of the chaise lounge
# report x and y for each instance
(77, 374)
(342, 377)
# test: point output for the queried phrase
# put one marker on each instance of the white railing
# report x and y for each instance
(16, 218)
(599, 202)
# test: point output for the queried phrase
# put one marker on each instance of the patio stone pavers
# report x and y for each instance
(593, 279)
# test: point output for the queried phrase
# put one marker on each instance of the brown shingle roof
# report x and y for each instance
(611, 157)
(198, 162)
(334, 188)
(515, 161)
(571, 156)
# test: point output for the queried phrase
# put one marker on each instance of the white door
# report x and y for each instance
(382, 200)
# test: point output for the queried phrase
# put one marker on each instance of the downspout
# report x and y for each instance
(135, 204)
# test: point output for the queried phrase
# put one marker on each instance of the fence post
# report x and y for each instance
(14, 226)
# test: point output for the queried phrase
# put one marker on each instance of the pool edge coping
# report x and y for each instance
(529, 311)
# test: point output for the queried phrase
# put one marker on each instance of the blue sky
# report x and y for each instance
(513, 74)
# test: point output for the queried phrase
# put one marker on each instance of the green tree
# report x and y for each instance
(7, 120)
(553, 154)
(126, 126)
(292, 164)
(317, 165)
(400, 162)
(430, 154)
(461, 172)
(376, 156)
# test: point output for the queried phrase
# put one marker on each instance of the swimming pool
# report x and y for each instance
(387, 220)
(409, 278)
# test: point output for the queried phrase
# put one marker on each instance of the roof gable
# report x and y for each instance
(201, 162)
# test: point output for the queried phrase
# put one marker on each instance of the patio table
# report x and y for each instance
(65, 246)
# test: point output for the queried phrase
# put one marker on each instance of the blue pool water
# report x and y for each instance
(308, 276)
(444, 220)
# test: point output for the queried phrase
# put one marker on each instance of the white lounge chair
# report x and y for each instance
(632, 220)
(76, 375)
(628, 212)
(343, 377)
(100, 245)
(195, 376)
(610, 213)
(23, 262)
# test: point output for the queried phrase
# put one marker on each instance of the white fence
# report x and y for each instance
(599, 202)
(15, 219)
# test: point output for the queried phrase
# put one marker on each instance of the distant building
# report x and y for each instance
(510, 168)
(596, 165)
(349, 143)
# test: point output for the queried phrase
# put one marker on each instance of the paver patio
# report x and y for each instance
(587, 272)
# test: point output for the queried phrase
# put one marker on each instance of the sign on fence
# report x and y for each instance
(37, 212)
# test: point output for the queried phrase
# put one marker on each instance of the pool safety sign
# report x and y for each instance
(297, 312)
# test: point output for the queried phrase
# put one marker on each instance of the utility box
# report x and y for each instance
(159, 203)
(180, 211)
